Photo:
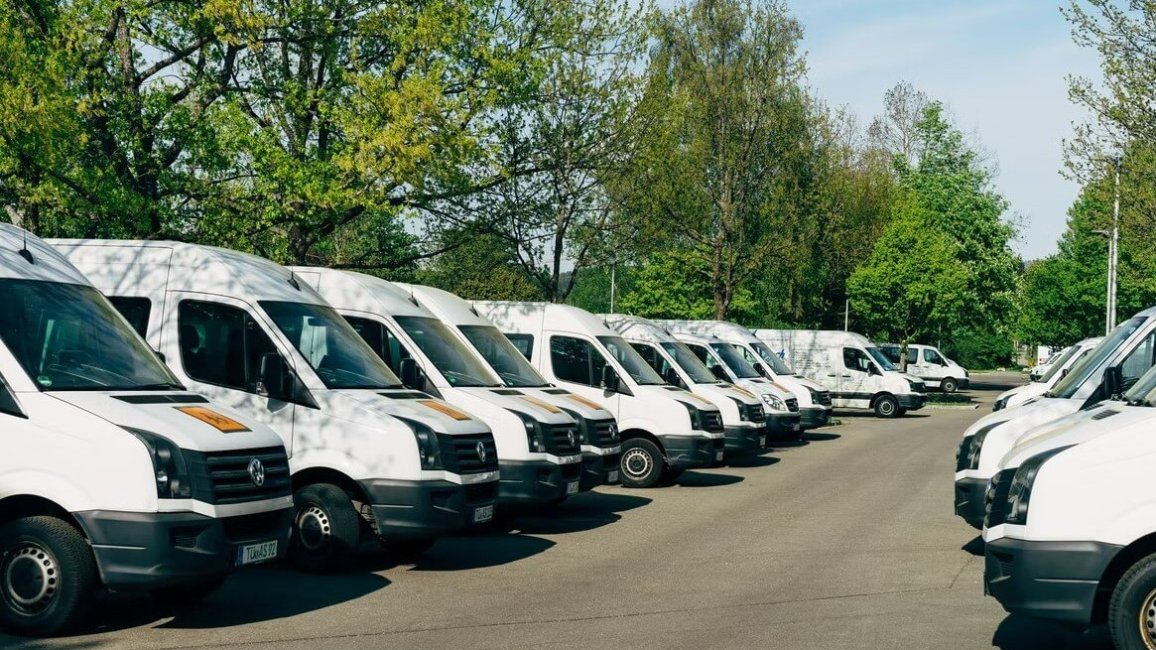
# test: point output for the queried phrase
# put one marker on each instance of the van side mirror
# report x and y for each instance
(1064, 372)
(610, 380)
(719, 373)
(1113, 381)
(760, 369)
(411, 375)
(273, 380)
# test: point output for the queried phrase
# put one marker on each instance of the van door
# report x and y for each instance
(933, 367)
(857, 383)
(577, 364)
(219, 351)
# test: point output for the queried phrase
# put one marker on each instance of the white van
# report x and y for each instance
(858, 374)
(726, 362)
(1057, 371)
(814, 400)
(1128, 350)
(369, 459)
(744, 420)
(600, 445)
(538, 446)
(929, 364)
(1070, 535)
(1041, 368)
(664, 429)
(111, 473)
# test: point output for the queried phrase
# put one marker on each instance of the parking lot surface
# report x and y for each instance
(845, 541)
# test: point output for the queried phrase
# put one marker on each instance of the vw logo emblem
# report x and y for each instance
(481, 451)
(613, 432)
(571, 438)
(256, 472)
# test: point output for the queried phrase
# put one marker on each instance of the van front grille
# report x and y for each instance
(232, 476)
(468, 454)
(562, 439)
(712, 421)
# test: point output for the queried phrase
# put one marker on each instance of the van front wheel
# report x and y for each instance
(949, 385)
(886, 406)
(326, 529)
(1132, 612)
(642, 463)
(48, 576)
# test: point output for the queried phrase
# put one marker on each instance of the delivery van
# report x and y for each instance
(1057, 371)
(857, 373)
(369, 459)
(814, 400)
(600, 445)
(538, 446)
(1041, 368)
(112, 474)
(744, 421)
(929, 364)
(1125, 354)
(664, 429)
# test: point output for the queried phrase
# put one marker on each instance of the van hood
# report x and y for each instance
(567, 401)
(677, 394)
(726, 392)
(813, 385)
(1027, 390)
(764, 386)
(188, 420)
(1078, 428)
(519, 401)
(371, 407)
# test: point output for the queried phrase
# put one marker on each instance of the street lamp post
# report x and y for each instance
(1113, 237)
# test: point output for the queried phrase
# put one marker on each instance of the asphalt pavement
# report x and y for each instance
(845, 541)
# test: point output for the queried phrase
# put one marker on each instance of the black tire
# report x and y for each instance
(1133, 607)
(405, 551)
(886, 406)
(326, 529)
(187, 595)
(949, 385)
(48, 576)
(641, 465)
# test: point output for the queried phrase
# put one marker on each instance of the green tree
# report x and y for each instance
(676, 284)
(479, 266)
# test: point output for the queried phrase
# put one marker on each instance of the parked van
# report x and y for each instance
(857, 373)
(1041, 368)
(814, 400)
(600, 445)
(929, 364)
(538, 445)
(112, 474)
(664, 429)
(1127, 352)
(725, 361)
(744, 421)
(369, 458)
(1072, 355)
(1069, 533)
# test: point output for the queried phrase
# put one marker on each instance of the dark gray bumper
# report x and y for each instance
(782, 426)
(912, 401)
(813, 417)
(689, 452)
(971, 500)
(1052, 580)
(744, 440)
(425, 509)
(597, 469)
(534, 482)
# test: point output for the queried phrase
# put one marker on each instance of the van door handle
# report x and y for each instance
(846, 376)
(830, 374)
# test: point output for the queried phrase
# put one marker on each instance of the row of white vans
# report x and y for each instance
(173, 412)
(1061, 479)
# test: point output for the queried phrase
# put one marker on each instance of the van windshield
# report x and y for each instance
(1144, 392)
(457, 363)
(772, 359)
(631, 361)
(1092, 363)
(503, 357)
(330, 346)
(735, 361)
(880, 358)
(690, 363)
(1059, 364)
(68, 337)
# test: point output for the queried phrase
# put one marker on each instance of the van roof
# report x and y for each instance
(721, 329)
(446, 306)
(826, 336)
(47, 264)
(546, 315)
(354, 291)
(638, 328)
(192, 267)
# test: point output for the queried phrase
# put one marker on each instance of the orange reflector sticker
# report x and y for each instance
(444, 409)
(213, 419)
(549, 408)
(695, 398)
(583, 401)
(742, 391)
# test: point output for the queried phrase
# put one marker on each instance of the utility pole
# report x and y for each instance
(1114, 252)
(613, 270)
(847, 315)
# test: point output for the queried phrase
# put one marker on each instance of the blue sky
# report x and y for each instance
(1000, 66)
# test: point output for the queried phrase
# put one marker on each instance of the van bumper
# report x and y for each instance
(534, 482)
(1052, 580)
(689, 452)
(425, 509)
(157, 550)
(782, 426)
(911, 401)
(813, 417)
(599, 469)
(971, 500)
(743, 439)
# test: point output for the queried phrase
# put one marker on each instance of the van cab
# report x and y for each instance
(1124, 355)
(600, 445)
(858, 374)
(929, 364)
(814, 400)
(1070, 535)
(112, 474)
(369, 458)
(744, 421)
(538, 446)
(1057, 371)
(664, 429)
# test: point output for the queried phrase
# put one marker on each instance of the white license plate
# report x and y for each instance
(718, 455)
(256, 553)
(483, 514)
(612, 476)
(572, 487)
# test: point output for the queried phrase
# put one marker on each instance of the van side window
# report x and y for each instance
(856, 359)
(135, 311)
(1139, 360)
(575, 360)
(652, 357)
(221, 345)
(384, 343)
(524, 343)
(912, 355)
(749, 356)
(930, 356)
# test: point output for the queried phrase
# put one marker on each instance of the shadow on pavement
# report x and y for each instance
(821, 437)
(975, 546)
(21, 643)
(583, 512)
(1023, 633)
(479, 551)
(752, 461)
(707, 479)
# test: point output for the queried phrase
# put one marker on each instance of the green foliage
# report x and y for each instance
(676, 284)
(479, 266)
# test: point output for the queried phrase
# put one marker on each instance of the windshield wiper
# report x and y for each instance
(161, 385)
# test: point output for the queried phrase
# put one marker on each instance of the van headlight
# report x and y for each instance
(1019, 494)
(774, 403)
(428, 449)
(533, 432)
(1000, 404)
(170, 470)
(976, 446)
(695, 417)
